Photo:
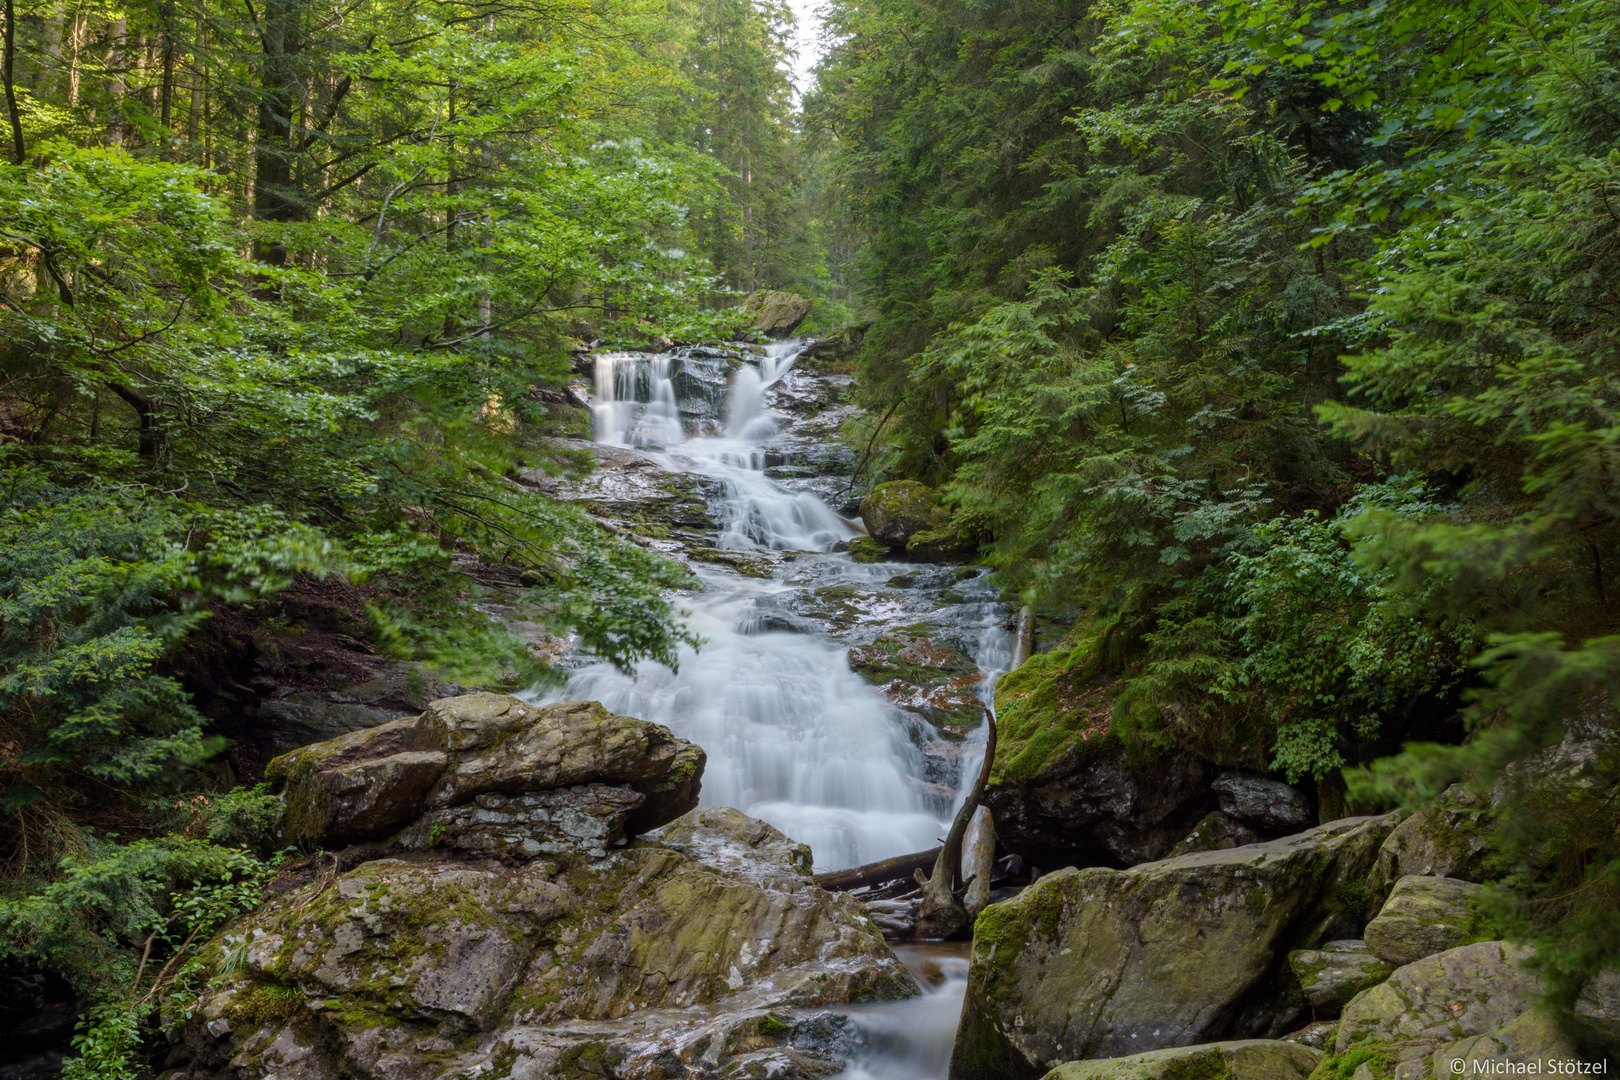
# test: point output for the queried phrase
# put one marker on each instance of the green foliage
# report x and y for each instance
(1161, 290)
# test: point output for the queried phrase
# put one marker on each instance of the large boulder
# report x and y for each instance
(1244, 1059)
(1435, 1011)
(777, 314)
(1446, 837)
(492, 774)
(1086, 801)
(1101, 963)
(1540, 1035)
(681, 958)
(895, 512)
(1335, 973)
(1262, 802)
(1424, 916)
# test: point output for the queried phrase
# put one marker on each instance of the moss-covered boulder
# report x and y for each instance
(1540, 1035)
(691, 953)
(1467, 1004)
(1243, 1059)
(864, 549)
(493, 774)
(1099, 963)
(1335, 973)
(776, 313)
(836, 351)
(1061, 797)
(894, 512)
(1064, 789)
(1424, 916)
(923, 677)
(1446, 837)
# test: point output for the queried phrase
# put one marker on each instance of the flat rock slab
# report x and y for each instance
(1244, 1059)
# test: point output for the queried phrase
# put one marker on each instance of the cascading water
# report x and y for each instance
(794, 737)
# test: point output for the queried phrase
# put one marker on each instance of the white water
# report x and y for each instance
(912, 1039)
(793, 736)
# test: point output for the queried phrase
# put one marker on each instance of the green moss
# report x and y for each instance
(1353, 898)
(1378, 1057)
(773, 1028)
(264, 1004)
(1052, 702)
(1202, 1067)
(864, 549)
(589, 1062)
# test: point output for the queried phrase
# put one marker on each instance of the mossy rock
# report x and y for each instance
(1450, 836)
(545, 969)
(1424, 916)
(864, 549)
(1245, 1059)
(895, 512)
(776, 313)
(1334, 974)
(930, 680)
(1098, 963)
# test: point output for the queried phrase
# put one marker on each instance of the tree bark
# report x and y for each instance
(274, 197)
(146, 409)
(877, 873)
(8, 71)
(941, 914)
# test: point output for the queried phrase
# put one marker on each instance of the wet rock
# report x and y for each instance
(1245, 1059)
(366, 785)
(919, 675)
(777, 314)
(896, 511)
(1088, 802)
(1218, 831)
(655, 960)
(1099, 963)
(732, 843)
(637, 492)
(864, 549)
(1424, 916)
(1264, 803)
(1337, 972)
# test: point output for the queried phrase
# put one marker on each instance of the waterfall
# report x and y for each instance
(794, 737)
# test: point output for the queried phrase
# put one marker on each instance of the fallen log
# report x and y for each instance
(901, 866)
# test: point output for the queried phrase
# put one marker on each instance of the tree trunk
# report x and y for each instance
(274, 198)
(941, 914)
(8, 70)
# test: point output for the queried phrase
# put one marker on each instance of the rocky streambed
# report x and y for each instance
(617, 878)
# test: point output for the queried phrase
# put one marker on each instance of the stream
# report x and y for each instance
(794, 736)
